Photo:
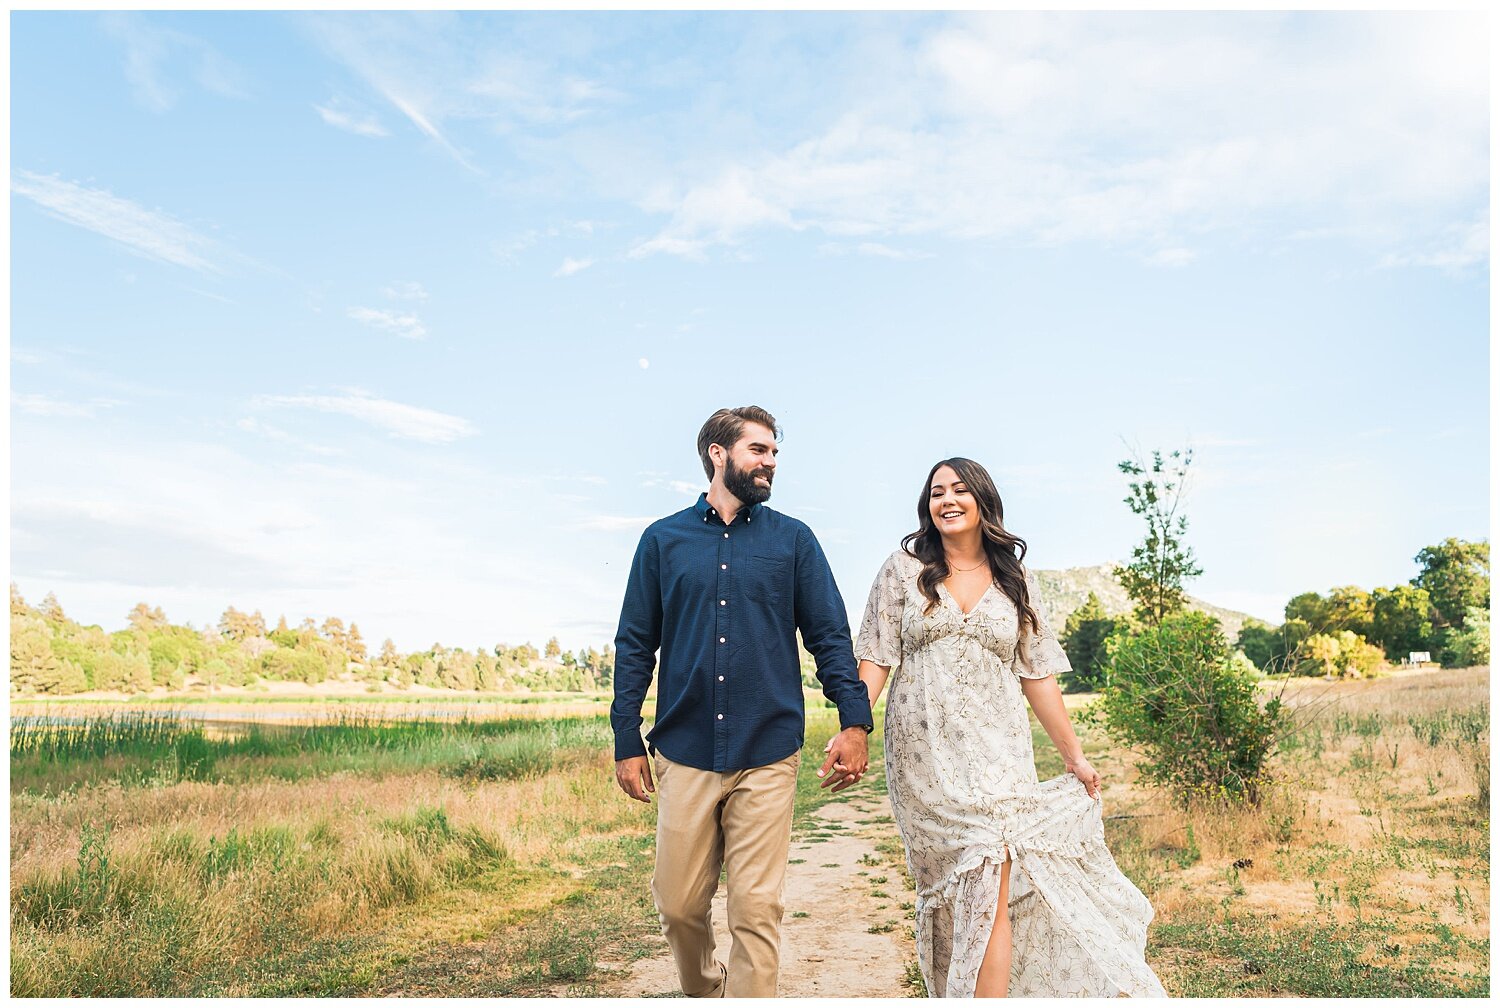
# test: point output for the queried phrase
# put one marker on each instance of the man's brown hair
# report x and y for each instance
(726, 426)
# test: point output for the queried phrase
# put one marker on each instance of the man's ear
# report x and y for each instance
(716, 453)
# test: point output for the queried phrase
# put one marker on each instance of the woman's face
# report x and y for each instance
(954, 510)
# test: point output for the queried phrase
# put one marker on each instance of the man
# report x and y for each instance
(721, 588)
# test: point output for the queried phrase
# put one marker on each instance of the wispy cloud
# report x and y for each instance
(571, 266)
(386, 51)
(41, 404)
(1176, 256)
(876, 249)
(1051, 129)
(148, 232)
(406, 290)
(397, 419)
(403, 324)
(151, 50)
(251, 425)
(359, 123)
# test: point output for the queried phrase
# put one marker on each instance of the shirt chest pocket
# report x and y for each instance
(766, 582)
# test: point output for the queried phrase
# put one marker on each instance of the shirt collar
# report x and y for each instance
(705, 509)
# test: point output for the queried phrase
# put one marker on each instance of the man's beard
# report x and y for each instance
(741, 483)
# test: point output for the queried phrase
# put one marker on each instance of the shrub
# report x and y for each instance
(1470, 645)
(1176, 694)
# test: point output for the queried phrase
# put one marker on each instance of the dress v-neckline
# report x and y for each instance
(977, 602)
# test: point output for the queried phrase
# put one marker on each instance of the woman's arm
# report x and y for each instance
(874, 677)
(1046, 700)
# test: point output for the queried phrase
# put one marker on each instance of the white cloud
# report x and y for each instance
(352, 122)
(408, 290)
(402, 60)
(41, 404)
(571, 266)
(253, 426)
(1171, 257)
(150, 49)
(397, 419)
(150, 233)
(1051, 129)
(403, 324)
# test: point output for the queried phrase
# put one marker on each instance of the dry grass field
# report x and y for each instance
(463, 860)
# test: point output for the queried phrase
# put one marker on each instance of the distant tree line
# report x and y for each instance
(1443, 610)
(53, 655)
(1175, 690)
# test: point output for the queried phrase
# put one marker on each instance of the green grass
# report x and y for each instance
(144, 748)
(1250, 957)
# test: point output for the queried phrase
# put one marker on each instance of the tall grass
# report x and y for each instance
(154, 747)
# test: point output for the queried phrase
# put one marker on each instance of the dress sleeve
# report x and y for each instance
(1038, 654)
(879, 637)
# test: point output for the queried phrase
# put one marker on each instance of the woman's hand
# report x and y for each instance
(1088, 775)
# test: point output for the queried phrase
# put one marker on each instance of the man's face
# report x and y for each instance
(750, 466)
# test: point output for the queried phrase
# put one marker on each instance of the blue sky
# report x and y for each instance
(413, 319)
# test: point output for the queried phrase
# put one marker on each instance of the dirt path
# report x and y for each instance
(847, 930)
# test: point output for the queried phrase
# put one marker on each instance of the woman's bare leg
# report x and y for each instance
(994, 971)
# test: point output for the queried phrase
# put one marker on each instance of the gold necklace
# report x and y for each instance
(965, 570)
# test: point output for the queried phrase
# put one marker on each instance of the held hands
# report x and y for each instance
(633, 774)
(1088, 775)
(848, 758)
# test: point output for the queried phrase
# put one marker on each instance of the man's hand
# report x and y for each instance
(848, 758)
(633, 774)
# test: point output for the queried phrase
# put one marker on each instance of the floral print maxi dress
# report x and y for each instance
(966, 797)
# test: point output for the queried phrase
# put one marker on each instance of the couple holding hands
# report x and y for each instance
(1017, 893)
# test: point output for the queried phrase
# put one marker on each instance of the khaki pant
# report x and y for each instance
(740, 821)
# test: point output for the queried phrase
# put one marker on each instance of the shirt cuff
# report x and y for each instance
(629, 744)
(853, 713)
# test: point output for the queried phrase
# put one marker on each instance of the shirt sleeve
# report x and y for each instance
(636, 644)
(879, 637)
(825, 633)
(1038, 654)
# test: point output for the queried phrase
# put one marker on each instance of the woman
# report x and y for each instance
(957, 614)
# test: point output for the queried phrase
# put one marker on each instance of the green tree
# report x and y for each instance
(355, 644)
(1469, 645)
(51, 609)
(1311, 608)
(1402, 620)
(145, 618)
(1456, 575)
(1177, 695)
(554, 649)
(1261, 643)
(1162, 562)
(1344, 653)
(1350, 608)
(1084, 635)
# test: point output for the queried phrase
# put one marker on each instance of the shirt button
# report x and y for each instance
(721, 717)
(726, 535)
(723, 566)
(723, 602)
(721, 678)
(721, 640)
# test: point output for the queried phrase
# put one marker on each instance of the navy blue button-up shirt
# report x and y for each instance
(724, 603)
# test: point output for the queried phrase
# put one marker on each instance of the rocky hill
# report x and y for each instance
(1066, 590)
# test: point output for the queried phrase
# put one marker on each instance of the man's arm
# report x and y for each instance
(636, 643)
(820, 615)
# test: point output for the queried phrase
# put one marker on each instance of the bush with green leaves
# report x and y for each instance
(1176, 694)
(1470, 645)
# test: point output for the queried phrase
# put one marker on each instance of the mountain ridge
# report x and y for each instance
(1065, 590)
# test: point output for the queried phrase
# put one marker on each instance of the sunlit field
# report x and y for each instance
(361, 851)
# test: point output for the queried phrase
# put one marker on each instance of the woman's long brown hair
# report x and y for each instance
(1003, 550)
